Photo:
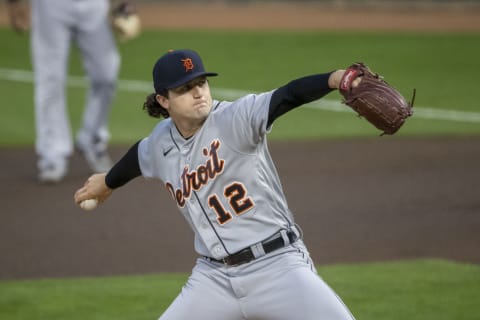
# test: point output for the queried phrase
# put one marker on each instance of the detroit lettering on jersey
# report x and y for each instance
(196, 179)
(190, 181)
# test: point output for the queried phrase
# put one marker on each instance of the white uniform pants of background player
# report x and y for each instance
(55, 23)
(280, 286)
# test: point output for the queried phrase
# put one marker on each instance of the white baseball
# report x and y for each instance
(89, 204)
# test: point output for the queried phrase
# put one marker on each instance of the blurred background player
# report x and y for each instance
(55, 25)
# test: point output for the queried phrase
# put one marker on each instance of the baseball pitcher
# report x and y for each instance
(212, 158)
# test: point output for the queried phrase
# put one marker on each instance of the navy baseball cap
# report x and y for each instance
(177, 67)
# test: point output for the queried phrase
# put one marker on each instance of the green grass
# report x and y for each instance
(442, 67)
(423, 290)
(135, 297)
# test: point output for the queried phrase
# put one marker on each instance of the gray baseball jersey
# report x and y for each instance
(246, 203)
(226, 185)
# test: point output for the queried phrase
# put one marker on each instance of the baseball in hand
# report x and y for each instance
(89, 204)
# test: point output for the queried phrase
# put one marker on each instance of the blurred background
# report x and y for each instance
(392, 222)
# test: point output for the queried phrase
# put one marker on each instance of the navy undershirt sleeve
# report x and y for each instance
(296, 93)
(284, 99)
(126, 169)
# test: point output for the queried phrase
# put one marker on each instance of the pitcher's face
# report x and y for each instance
(190, 102)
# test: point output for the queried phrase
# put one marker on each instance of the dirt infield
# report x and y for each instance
(308, 16)
(363, 200)
(251, 15)
(358, 200)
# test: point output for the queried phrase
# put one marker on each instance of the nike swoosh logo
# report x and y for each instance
(167, 151)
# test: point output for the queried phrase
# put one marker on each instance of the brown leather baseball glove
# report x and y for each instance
(374, 99)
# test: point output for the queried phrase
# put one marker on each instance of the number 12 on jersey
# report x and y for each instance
(239, 202)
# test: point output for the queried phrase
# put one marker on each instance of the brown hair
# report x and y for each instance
(154, 108)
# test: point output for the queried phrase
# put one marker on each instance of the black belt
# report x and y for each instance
(246, 255)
